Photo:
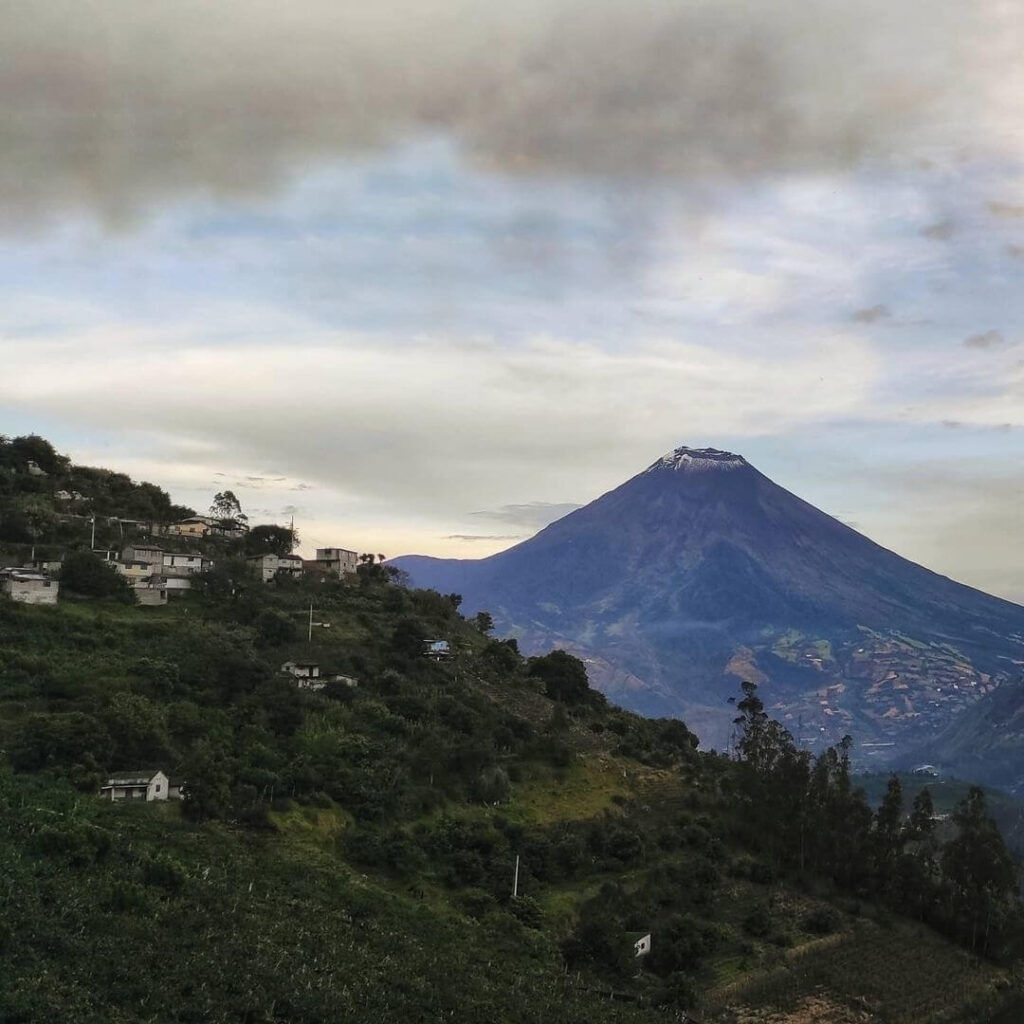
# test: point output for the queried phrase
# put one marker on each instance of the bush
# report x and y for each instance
(476, 903)
(275, 629)
(526, 911)
(758, 922)
(821, 921)
(164, 872)
(88, 575)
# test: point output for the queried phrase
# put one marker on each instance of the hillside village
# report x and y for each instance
(44, 514)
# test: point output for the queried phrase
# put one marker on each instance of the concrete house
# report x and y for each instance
(134, 570)
(148, 554)
(335, 561)
(306, 675)
(175, 564)
(195, 526)
(28, 587)
(268, 566)
(146, 784)
(151, 591)
(301, 669)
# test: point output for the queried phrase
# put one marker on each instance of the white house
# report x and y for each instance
(28, 587)
(336, 561)
(146, 784)
(436, 648)
(268, 566)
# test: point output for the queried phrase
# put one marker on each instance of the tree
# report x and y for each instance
(33, 448)
(408, 637)
(87, 574)
(484, 622)
(888, 834)
(268, 539)
(30, 520)
(207, 789)
(227, 507)
(977, 869)
(564, 677)
(275, 629)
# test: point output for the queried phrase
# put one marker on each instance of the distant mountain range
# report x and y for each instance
(700, 572)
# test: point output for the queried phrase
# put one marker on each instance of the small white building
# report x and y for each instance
(436, 648)
(146, 785)
(28, 587)
(267, 567)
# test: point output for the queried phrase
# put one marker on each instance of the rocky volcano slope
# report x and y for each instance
(700, 571)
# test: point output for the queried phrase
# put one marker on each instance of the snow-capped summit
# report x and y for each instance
(699, 460)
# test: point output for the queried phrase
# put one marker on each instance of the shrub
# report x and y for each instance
(821, 921)
(88, 575)
(758, 922)
(526, 911)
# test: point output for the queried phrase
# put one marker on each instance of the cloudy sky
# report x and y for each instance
(428, 273)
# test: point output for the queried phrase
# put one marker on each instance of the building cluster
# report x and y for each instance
(156, 574)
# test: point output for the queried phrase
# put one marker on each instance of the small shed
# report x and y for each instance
(146, 784)
(436, 648)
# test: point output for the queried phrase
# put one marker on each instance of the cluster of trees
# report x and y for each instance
(808, 818)
(30, 513)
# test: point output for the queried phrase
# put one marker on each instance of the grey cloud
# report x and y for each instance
(114, 109)
(1016, 251)
(940, 232)
(534, 514)
(989, 339)
(872, 314)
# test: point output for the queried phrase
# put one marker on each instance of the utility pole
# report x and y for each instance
(309, 639)
(92, 546)
(515, 880)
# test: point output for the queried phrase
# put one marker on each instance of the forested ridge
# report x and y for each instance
(348, 853)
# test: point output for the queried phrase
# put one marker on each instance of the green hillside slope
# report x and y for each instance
(348, 854)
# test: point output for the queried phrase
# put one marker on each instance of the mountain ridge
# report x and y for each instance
(700, 565)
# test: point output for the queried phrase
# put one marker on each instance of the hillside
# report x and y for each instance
(700, 571)
(986, 742)
(341, 851)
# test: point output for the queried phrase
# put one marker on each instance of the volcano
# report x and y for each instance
(700, 572)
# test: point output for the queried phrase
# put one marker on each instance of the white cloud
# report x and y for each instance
(433, 420)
